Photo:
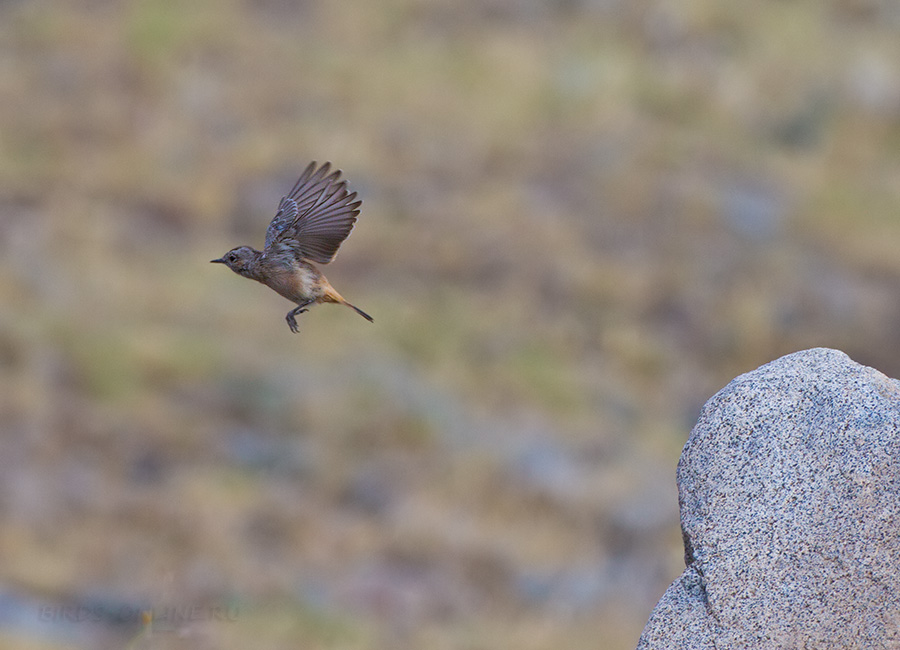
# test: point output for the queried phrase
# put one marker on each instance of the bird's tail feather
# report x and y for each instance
(360, 312)
(333, 296)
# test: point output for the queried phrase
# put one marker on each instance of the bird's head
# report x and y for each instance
(239, 260)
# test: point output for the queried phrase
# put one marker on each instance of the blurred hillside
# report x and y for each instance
(581, 218)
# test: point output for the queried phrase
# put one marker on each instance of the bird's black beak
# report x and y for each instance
(221, 260)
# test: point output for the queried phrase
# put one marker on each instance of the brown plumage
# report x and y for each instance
(312, 222)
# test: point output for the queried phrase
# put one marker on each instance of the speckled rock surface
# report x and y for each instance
(789, 487)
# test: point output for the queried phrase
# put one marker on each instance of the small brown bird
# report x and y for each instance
(312, 222)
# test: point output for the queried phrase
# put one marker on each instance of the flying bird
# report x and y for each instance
(312, 222)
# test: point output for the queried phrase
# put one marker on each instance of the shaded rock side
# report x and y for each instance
(789, 489)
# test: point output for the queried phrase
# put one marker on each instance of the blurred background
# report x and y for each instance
(581, 219)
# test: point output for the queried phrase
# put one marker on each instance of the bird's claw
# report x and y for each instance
(292, 321)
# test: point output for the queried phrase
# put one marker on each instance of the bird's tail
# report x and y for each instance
(359, 311)
(331, 295)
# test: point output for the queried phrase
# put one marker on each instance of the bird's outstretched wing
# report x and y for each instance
(315, 217)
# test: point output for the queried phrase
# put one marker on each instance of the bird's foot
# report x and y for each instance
(291, 319)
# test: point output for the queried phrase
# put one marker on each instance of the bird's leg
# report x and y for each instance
(291, 315)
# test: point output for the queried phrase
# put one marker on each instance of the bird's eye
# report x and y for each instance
(232, 257)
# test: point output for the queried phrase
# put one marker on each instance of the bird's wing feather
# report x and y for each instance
(287, 213)
(315, 217)
(299, 197)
